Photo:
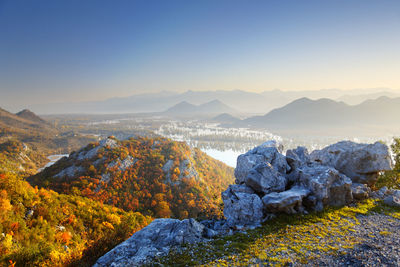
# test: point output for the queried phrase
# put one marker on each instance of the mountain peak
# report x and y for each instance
(29, 115)
(213, 107)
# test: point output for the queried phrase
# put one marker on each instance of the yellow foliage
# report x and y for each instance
(108, 225)
(6, 243)
(114, 219)
(177, 171)
(5, 204)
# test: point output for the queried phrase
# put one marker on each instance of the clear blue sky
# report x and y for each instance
(75, 50)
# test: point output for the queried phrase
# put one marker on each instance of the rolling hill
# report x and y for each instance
(24, 122)
(155, 176)
(185, 109)
(26, 140)
(225, 118)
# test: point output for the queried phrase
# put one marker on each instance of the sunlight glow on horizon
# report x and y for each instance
(70, 51)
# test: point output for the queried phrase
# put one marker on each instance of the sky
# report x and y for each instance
(73, 50)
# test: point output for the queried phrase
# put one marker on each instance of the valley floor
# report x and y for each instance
(366, 234)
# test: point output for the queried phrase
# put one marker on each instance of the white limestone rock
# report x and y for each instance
(269, 152)
(263, 178)
(154, 240)
(242, 207)
(289, 201)
(360, 162)
(328, 187)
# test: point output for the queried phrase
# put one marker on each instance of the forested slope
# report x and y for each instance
(155, 176)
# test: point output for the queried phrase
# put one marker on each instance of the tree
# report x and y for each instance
(162, 210)
(391, 179)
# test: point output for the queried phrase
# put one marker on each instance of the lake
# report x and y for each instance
(53, 159)
(227, 156)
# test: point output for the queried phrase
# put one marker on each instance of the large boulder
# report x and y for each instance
(154, 240)
(328, 187)
(269, 152)
(360, 162)
(242, 207)
(289, 201)
(263, 178)
(296, 158)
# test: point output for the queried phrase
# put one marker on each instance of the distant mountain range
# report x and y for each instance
(185, 109)
(242, 101)
(325, 113)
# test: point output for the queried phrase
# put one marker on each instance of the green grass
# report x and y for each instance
(285, 239)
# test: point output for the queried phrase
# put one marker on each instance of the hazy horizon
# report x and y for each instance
(71, 51)
(283, 96)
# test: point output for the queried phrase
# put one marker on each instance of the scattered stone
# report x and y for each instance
(392, 200)
(216, 228)
(380, 193)
(395, 193)
(360, 191)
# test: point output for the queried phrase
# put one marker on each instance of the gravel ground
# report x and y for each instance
(380, 245)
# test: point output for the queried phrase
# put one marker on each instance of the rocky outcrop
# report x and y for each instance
(263, 178)
(186, 171)
(269, 152)
(71, 171)
(361, 162)
(300, 182)
(154, 240)
(326, 185)
(289, 201)
(242, 206)
(106, 143)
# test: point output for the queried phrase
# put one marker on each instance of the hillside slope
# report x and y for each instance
(155, 176)
(43, 228)
(26, 139)
(20, 158)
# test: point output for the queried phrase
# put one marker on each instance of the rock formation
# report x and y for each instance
(302, 182)
(360, 162)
